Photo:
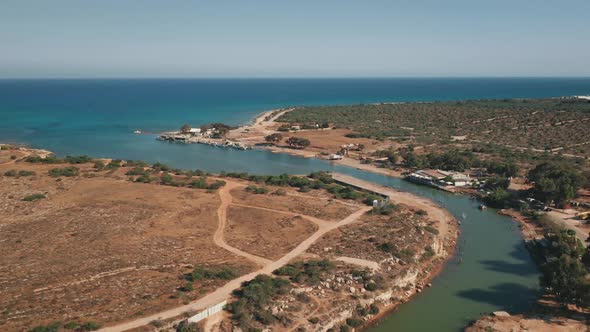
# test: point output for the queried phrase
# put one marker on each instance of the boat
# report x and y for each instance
(483, 207)
(137, 132)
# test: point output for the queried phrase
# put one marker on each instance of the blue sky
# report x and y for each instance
(149, 38)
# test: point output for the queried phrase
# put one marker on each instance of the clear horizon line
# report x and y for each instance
(284, 77)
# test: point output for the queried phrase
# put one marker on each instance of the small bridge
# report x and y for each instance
(362, 185)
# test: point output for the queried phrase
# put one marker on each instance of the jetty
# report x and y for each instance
(217, 142)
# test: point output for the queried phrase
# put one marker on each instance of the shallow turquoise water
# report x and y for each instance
(97, 118)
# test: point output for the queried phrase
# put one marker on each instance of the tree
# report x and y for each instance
(298, 142)
(497, 183)
(185, 129)
(555, 182)
(565, 278)
(499, 198)
(274, 138)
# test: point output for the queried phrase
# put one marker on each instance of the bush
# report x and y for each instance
(33, 197)
(200, 273)
(64, 171)
(373, 309)
(89, 326)
(431, 230)
(428, 252)
(188, 287)
(306, 272)
(53, 327)
(71, 326)
(157, 323)
(257, 190)
(185, 326)
(46, 160)
(26, 173)
(354, 322)
(11, 173)
(77, 159)
(422, 213)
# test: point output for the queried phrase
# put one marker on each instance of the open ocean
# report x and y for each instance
(97, 117)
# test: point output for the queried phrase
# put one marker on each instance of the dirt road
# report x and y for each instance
(224, 292)
(226, 200)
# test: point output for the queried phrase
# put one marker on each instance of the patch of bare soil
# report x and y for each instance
(319, 207)
(266, 233)
(101, 249)
(520, 323)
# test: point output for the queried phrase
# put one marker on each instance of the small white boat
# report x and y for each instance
(137, 132)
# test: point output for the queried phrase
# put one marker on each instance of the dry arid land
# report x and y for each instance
(90, 241)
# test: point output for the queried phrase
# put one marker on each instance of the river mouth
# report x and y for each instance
(491, 269)
(97, 118)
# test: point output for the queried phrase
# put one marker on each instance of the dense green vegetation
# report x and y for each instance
(15, 173)
(274, 138)
(64, 171)
(298, 142)
(565, 270)
(528, 123)
(200, 273)
(555, 182)
(306, 272)
(253, 299)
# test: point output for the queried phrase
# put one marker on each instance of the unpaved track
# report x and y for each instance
(226, 200)
(224, 292)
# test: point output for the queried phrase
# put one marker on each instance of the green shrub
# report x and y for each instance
(11, 173)
(71, 325)
(64, 171)
(53, 327)
(77, 159)
(46, 160)
(144, 178)
(373, 309)
(257, 190)
(306, 272)
(138, 170)
(33, 197)
(26, 173)
(185, 326)
(89, 326)
(428, 252)
(200, 273)
(431, 229)
(354, 322)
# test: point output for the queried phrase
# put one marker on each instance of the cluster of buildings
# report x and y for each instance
(439, 178)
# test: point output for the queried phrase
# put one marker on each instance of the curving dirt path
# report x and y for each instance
(223, 293)
(226, 201)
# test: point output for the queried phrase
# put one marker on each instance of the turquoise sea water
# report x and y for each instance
(97, 117)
